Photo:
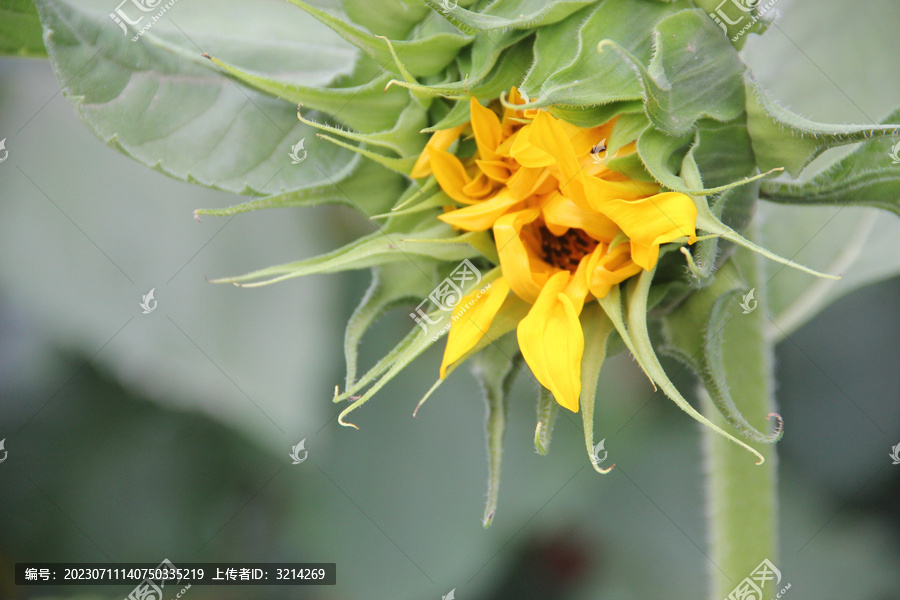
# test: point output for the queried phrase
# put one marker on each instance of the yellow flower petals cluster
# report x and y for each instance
(567, 228)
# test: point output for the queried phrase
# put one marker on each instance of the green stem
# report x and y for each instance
(742, 499)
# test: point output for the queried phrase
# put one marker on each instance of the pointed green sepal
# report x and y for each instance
(783, 139)
(597, 329)
(496, 368)
(637, 294)
(547, 411)
(694, 334)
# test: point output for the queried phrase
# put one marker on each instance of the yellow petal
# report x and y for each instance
(478, 188)
(522, 267)
(497, 170)
(552, 341)
(607, 268)
(486, 126)
(450, 174)
(482, 215)
(599, 190)
(577, 288)
(525, 182)
(527, 153)
(440, 140)
(472, 317)
(560, 213)
(548, 136)
(652, 221)
(506, 146)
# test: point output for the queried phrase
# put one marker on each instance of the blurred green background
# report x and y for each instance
(134, 437)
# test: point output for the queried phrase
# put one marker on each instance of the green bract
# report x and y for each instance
(667, 70)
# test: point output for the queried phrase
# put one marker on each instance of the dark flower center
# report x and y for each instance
(566, 251)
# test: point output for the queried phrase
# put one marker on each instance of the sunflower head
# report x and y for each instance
(566, 226)
(546, 180)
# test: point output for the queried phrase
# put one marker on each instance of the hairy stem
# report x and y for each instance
(741, 497)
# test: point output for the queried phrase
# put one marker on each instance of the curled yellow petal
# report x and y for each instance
(607, 268)
(472, 317)
(440, 140)
(487, 130)
(652, 221)
(519, 254)
(451, 175)
(483, 215)
(552, 341)
(560, 214)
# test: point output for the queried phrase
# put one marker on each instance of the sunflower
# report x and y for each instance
(567, 228)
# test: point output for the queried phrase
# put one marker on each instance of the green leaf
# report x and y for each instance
(362, 185)
(392, 18)
(457, 115)
(567, 68)
(592, 116)
(438, 200)
(20, 30)
(481, 67)
(383, 246)
(644, 353)
(411, 347)
(508, 14)
(663, 155)
(398, 165)
(368, 107)
(427, 54)
(783, 139)
(496, 368)
(723, 152)
(424, 335)
(631, 166)
(627, 129)
(710, 223)
(694, 73)
(509, 71)
(158, 103)
(869, 176)
(694, 334)
(393, 285)
(597, 329)
(404, 138)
